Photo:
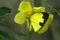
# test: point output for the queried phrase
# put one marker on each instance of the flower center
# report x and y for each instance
(28, 14)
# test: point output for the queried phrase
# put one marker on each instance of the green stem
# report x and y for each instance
(51, 8)
(28, 34)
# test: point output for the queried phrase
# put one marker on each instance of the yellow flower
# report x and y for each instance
(32, 15)
(26, 10)
(35, 19)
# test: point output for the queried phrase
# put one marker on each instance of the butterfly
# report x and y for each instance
(36, 17)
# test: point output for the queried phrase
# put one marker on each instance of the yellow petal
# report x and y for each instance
(35, 20)
(20, 18)
(39, 9)
(36, 26)
(25, 6)
(37, 17)
(47, 24)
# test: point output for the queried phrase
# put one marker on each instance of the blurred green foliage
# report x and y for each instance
(4, 11)
(3, 36)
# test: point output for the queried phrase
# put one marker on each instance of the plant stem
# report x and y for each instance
(28, 24)
(51, 8)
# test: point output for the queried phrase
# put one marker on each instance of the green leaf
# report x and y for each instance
(4, 11)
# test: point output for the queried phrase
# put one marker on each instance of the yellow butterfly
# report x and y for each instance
(35, 16)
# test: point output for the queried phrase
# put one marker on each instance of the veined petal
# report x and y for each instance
(35, 20)
(39, 9)
(20, 18)
(36, 26)
(25, 6)
(37, 17)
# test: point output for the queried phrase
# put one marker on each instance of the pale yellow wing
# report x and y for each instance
(20, 18)
(35, 20)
